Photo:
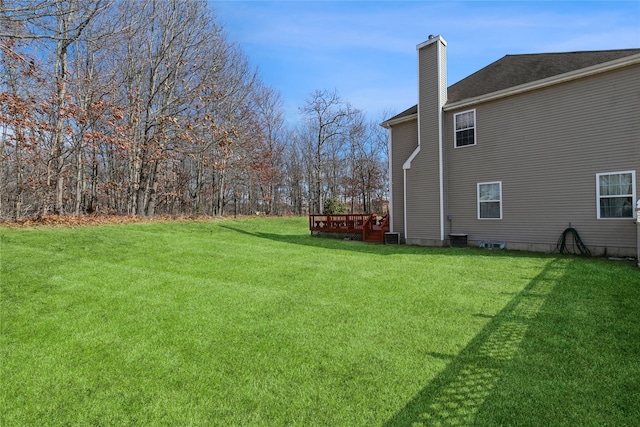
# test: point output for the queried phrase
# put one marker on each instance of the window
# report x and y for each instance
(616, 192)
(465, 128)
(490, 200)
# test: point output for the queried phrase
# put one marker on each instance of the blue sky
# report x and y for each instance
(366, 49)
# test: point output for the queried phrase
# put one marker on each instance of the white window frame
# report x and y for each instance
(633, 195)
(478, 201)
(456, 130)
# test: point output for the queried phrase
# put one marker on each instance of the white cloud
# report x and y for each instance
(366, 50)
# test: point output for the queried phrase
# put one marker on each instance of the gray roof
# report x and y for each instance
(515, 70)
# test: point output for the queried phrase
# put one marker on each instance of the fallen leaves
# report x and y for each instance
(87, 220)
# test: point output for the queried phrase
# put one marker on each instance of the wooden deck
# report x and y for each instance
(370, 226)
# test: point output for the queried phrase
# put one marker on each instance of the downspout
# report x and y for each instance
(390, 197)
(638, 231)
(441, 103)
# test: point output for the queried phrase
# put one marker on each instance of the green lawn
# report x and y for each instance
(254, 322)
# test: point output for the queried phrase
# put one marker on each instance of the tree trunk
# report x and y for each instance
(58, 150)
(221, 184)
(79, 179)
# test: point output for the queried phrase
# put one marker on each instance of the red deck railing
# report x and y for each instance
(371, 226)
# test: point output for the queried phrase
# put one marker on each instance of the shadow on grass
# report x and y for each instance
(374, 248)
(313, 241)
(455, 396)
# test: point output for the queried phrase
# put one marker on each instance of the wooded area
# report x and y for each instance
(146, 107)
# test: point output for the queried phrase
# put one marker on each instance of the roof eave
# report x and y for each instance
(392, 122)
(549, 81)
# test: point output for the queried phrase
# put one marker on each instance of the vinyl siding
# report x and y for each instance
(546, 147)
(404, 140)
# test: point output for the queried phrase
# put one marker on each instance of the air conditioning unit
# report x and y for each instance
(458, 240)
(391, 238)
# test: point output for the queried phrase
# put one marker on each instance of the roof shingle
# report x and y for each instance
(515, 70)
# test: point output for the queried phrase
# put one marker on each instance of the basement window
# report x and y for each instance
(465, 128)
(615, 193)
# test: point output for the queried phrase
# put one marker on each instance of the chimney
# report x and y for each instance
(432, 80)
(432, 96)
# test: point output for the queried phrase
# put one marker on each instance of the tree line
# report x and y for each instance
(146, 107)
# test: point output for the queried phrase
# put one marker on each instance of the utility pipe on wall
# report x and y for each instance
(638, 232)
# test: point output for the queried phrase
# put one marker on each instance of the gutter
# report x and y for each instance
(387, 124)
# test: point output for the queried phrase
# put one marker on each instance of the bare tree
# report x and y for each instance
(145, 106)
(18, 125)
(325, 118)
(270, 120)
(165, 64)
(294, 171)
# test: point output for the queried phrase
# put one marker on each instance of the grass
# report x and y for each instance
(254, 322)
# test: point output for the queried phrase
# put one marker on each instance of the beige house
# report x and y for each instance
(520, 151)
